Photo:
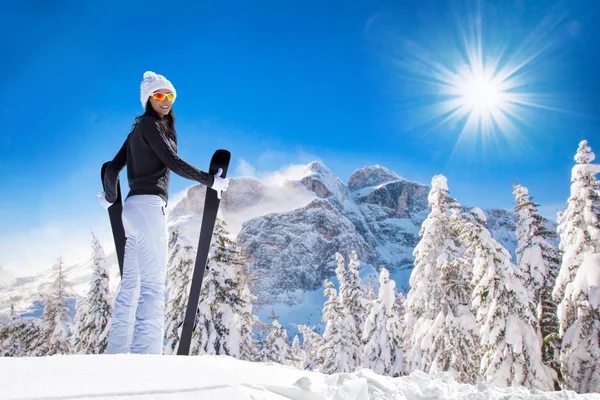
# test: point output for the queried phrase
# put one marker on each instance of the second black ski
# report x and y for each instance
(220, 159)
(116, 223)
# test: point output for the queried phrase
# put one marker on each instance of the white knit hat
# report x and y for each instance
(151, 83)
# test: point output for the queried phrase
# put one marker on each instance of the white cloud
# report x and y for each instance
(274, 168)
(293, 172)
(244, 169)
(278, 197)
(6, 276)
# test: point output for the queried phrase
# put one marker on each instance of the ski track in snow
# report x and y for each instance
(122, 377)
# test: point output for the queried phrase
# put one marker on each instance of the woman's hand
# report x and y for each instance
(102, 198)
(220, 184)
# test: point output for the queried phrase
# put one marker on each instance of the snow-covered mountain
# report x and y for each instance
(290, 230)
(377, 213)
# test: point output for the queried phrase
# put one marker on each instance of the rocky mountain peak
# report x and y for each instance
(371, 176)
(323, 182)
(317, 167)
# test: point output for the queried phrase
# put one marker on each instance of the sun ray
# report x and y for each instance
(487, 91)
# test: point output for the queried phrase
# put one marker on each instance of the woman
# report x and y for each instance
(150, 153)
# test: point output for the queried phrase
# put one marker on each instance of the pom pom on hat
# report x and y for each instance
(151, 83)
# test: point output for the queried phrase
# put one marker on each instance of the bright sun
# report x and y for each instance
(482, 90)
(481, 94)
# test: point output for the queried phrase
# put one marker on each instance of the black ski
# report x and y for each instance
(211, 205)
(116, 223)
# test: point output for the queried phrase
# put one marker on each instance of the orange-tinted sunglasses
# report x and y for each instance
(162, 96)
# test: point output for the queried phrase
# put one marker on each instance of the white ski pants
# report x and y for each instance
(137, 324)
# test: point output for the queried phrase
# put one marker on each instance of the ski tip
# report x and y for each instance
(222, 153)
(220, 159)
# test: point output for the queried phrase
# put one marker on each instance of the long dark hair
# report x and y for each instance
(167, 122)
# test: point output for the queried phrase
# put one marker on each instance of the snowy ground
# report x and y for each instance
(121, 377)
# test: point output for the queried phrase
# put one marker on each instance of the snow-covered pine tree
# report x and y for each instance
(5, 333)
(20, 337)
(538, 260)
(277, 347)
(296, 352)
(510, 339)
(31, 335)
(452, 341)
(246, 320)
(203, 326)
(10, 341)
(424, 299)
(56, 315)
(580, 353)
(47, 323)
(455, 338)
(354, 299)
(93, 317)
(311, 342)
(347, 300)
(219, 299)
(383, 332)
(578, 283)
(332, 353)
(78, 337)
(179, 274)
(400, 301)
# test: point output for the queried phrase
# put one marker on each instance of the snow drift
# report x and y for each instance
(112, 377)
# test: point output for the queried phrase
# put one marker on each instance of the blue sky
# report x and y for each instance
(278, 83)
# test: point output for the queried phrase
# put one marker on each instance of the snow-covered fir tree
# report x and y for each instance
(400, 303)
(353, 297)
(311, 343)
(510, 338)
(21, 337)
(216, 330)
(179, 274)
(424, 300)
(336, 340)
(245, 318)
(204, 329)
(538, 261)
(578, 283)
(383, 331)
(10, 341)
(400, 311)
(4, 331)
(56, 315)
(93, 316)
(296, 352)
(454, 333)
(349, 300)
(580, 352)
(277, 347)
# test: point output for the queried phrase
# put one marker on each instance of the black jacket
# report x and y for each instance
(150, 155)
